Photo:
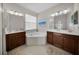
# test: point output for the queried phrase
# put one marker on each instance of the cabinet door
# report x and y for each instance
(10, 42)
(20, 39)
(58, 40)
(50, 37)
(69, 44)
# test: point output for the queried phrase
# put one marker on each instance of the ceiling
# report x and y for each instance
(37, 7)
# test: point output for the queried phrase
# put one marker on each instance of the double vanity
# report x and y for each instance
(68, 41)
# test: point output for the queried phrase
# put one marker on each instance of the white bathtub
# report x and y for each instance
(36, 38)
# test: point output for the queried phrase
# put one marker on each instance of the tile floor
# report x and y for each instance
(38, 50)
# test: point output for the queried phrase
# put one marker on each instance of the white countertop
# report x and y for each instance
(51, 30)
(7, 32)
(64, 32)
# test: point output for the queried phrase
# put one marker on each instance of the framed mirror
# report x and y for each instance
(74, 18)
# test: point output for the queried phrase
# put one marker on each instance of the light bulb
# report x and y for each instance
(16, 13)
(60, 13)
(10, 12)
(20, 14)
(53, 15)
(66, 11)
(56, 14)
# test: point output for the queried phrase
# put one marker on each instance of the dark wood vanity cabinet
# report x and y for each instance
(55, 39)
(50, 37)
(67, 42)
(10, 44)
(58, 40)
(14, 40)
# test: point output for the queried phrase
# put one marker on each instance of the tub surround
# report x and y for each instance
(36, 38)
(69, 41)
(36, 34)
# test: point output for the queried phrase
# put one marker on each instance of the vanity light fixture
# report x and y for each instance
(61, 12)
(18, 14)
(14, 13)
(10, 12)
(53, 15)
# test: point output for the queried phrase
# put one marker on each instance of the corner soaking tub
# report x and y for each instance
(36, 38)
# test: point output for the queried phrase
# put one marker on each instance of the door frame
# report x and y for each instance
(0, 28)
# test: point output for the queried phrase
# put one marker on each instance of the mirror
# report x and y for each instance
(74, 18)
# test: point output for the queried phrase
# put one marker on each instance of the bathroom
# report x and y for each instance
(30, 28)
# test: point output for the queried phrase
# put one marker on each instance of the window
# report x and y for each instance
(30, 22)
